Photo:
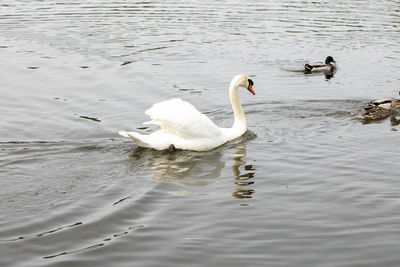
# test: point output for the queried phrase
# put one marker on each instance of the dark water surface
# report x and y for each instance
(308, 185)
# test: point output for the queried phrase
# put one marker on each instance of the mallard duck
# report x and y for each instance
(380, 109)
(329, 65)
(184, 127)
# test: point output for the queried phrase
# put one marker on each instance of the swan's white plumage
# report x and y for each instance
(186, 128)
(181, 118)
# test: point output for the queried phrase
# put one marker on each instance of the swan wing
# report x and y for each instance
(181, 118)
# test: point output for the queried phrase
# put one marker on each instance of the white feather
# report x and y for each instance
(183, 126)
(181, 118)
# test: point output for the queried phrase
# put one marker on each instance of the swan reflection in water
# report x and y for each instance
(242, 180)
(184, 168)
(193, 169)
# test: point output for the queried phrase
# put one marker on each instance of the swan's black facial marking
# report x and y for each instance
(250, 86)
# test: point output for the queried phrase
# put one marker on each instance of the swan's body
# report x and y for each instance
(184, 127)
(328, 66)
(380, 109)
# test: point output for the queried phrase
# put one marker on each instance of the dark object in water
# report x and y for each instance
(171, 148)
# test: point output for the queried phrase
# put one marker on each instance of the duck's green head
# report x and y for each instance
(329, 59)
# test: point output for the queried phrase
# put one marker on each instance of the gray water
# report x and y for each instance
(309, 184)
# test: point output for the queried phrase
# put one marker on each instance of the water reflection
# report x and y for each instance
(327, 74)
(192, 169)
(242, 179)
(394, 121)
(187, 168)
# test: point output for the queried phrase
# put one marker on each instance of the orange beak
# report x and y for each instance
(250, 88)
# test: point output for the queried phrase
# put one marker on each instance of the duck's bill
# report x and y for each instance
(250, 88)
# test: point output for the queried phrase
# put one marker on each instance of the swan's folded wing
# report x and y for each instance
(181, 118)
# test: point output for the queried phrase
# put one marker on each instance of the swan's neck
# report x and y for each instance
(240, 124)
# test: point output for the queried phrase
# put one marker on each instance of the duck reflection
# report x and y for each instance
(242, 180)
(327, 74)
(394, 121)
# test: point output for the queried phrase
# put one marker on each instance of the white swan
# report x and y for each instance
(184, 127)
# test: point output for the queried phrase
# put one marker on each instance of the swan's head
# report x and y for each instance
(243, 81)
(250, 86)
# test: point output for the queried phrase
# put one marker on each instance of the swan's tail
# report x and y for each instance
(123, 133)
(135, 137)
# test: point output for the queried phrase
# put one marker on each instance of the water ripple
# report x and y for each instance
(308, 185)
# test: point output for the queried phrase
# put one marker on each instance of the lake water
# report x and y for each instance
(309, 184)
